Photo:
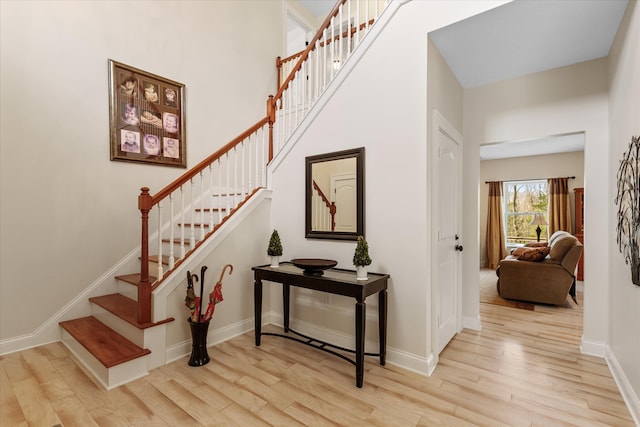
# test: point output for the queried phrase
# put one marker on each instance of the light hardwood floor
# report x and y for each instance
(523, 369)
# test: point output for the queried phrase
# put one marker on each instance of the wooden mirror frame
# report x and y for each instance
(358, 154)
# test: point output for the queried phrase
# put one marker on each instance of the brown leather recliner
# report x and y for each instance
(548, 281)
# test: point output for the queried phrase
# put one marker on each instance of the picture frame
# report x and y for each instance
(146, 117)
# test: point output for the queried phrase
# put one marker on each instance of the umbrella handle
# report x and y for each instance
(223, 270)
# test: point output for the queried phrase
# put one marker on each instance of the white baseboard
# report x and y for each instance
(628, 394)
(218, 336)
(411, 362)
(11, 345)
(593, 348)
(473, 323)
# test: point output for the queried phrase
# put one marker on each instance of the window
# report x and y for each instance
(523, 199)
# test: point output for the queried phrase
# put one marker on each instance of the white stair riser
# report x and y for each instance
(108, 377)
(128, 290)
(122, 327)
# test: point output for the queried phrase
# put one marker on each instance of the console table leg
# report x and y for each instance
(257, 306)
(382, 325)
(361, 314)
(285, 305)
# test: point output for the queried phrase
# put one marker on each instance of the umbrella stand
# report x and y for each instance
(199, 321)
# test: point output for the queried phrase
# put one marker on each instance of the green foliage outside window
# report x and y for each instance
(522, 201)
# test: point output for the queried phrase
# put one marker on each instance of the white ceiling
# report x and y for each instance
(528, 36)
(520, 38)
(547, 145)
(319, 8)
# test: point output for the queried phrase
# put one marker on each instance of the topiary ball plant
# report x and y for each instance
(361, 256)
(275, 247)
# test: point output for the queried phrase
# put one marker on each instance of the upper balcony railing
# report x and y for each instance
(304, 76)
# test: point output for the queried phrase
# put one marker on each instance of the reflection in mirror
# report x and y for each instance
(335, 195)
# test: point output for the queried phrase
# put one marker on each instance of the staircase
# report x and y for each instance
(125, 334)
(112, 343)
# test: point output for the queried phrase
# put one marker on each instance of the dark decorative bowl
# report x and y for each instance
(314, 266)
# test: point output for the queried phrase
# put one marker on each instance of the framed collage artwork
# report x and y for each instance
(147, 122)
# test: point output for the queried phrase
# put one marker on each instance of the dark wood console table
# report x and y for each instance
(334, 281)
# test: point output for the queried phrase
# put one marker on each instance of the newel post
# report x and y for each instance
(271, 113)
(144, 287)
(279, 68)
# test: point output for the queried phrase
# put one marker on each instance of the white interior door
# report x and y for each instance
(344, 194)
(449, 246)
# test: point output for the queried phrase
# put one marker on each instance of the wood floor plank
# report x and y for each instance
(192, 404)
(37, 409)
(11, 413)
(166, 409)
(269, 394)
(523, 368)
(308, 416)
(243, 417)
(276, 417)
(69, 408)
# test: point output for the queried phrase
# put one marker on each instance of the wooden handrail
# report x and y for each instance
(330, 205)
(155, 199)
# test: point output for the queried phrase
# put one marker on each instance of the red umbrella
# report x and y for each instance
(215, 296)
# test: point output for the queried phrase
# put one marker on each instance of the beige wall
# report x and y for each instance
(68, 213)
(624, 121)
(531, 167)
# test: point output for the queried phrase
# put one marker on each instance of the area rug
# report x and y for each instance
(489, 293)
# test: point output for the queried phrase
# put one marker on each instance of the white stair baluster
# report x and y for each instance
(160, 272)
(227, 164)
(289, 111)
(358, 19)
(297, 96)
(282, 122)
(235, 176)
(202, 191)
(333, 47)
(250, 186)
(192, 235)
(340, 36)
(182, 220)
(316, 74)
(219, 203)
(349, 28)
(210, 196)
(254, 159)
(243, 189)
(324, 59)
(366, 12)
(171, 233)
(263, 153)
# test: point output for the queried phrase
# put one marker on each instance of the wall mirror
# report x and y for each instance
(335, 195)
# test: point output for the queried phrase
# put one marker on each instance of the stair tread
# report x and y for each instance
(165, 259)
(105, 344)
(125, 308)
(177, 241)
(134, 279)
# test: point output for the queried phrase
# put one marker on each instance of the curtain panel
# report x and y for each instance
(496, 248)
(559, 205)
